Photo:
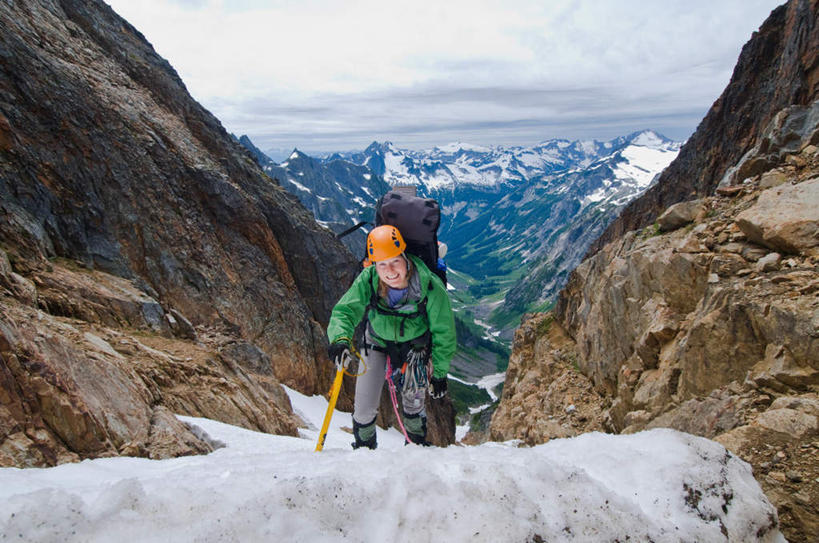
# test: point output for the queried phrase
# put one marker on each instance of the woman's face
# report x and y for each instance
(393, 272)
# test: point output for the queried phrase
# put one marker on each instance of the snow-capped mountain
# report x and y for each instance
(546, 225)
(458, 164)
(337, 192)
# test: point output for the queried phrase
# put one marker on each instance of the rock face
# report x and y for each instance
(545, 395)
(777, 68)
(707, 321)
(148, 265)
(710, 328)
(96, 370)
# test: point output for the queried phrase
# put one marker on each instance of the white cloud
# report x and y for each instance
(328, 70)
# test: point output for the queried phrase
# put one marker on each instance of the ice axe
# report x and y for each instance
(341, 369)
(334, 390)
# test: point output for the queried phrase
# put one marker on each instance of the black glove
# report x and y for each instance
(339, 354)
(437, 387)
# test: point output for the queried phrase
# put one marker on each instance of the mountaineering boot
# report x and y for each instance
(416, 426)
(364, 435)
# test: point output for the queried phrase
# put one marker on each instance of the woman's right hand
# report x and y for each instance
(339, 354)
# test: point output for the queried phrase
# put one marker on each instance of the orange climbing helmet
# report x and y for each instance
(384, 242)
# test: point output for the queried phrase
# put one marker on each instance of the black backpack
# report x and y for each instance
(417, 219)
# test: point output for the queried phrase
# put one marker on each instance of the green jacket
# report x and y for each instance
(440, 320)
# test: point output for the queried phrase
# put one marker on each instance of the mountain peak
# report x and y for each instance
(648, 138)
(461, 146)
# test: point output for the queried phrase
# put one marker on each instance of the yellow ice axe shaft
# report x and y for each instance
(330, 407)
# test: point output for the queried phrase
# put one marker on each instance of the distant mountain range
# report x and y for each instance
(459, 164)
(516, 219)
(338, 192)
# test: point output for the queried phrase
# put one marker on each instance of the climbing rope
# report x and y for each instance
(394, 398)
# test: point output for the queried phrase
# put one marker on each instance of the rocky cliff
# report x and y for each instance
(707, 319)
(148, 266)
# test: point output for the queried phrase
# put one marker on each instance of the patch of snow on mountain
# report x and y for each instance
(643, 163)
(395, 171)
(490, 382)
(588, 147)
(597, 196)
(299, 185)
(433, 182)
(531, 159)
(458, 146)
(648, 139)
(468, 174)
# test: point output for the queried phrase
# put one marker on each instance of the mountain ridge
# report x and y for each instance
(447, 166)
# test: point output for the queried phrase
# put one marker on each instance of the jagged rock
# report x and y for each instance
(789, 132)
(73, 389)
(753, 253)
(769, 262)
(779, 370)
(248, 356)
(747, 339)
(788, 421)
(743, 325)
(773, 178)
(680, 214)
(180, 326)
(166, 196)
(545, 397)
(785, 218)
(130, 226)
(710, 416)
(93, 296)
(17, 285)
(729, 191)
(169, 438)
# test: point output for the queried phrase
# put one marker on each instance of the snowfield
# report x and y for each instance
(659, 485)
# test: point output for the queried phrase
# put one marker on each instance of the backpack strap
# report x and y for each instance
(421, 309)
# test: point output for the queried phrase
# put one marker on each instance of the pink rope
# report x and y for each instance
(394, 399)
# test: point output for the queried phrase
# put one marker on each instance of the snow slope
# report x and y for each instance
(660, 485)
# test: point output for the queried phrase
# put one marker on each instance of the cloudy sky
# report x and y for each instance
(326, 75)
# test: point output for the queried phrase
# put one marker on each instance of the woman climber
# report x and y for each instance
(409, 335)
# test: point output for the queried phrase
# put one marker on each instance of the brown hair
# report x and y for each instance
(382, 286)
